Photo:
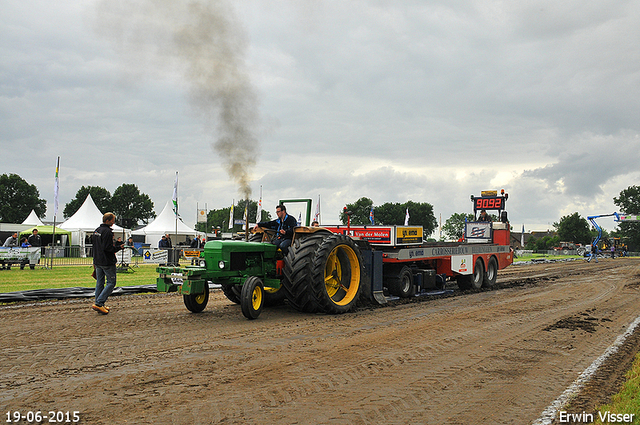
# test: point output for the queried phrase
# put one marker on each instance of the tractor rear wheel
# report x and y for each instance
(297, 269)
(256, 237)
(335, 274)
(267, 235)
(273, 296)
(195, 303)
(252, 299)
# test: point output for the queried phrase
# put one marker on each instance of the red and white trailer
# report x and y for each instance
(401, 263)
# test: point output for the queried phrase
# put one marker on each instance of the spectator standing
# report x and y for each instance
(11, 240)
(104, 261)
(594, 253)
(35, 239)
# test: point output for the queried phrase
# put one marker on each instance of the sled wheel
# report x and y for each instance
(491, 275)
(252, 298)
(401, 284)
(474, 280)
(195, 303)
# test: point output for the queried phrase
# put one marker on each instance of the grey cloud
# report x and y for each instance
(446, 99)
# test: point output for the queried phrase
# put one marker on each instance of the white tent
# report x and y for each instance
(166, 223)
(85, 221)
(33, 220)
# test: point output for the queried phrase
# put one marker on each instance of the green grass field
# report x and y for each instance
(529, 257)
(69, 277)
(628, 399)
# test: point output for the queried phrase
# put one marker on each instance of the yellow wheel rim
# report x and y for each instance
(342, 286)
(200, 298)
(256, 298)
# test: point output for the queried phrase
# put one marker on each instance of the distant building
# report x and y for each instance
(516, 237)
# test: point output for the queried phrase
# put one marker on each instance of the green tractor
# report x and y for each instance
(321, 273)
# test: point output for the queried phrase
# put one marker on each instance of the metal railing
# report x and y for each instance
(83, 256)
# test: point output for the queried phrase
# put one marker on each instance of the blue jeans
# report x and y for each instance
(102, 291)
(283, 244)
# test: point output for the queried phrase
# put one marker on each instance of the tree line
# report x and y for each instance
(18, 198)
(576, 229)
(219, 218)
(127, 202)
(130, 206)
(421, 214)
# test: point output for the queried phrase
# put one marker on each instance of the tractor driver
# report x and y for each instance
(283, 225)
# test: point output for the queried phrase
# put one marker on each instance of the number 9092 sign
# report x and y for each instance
(488, 203)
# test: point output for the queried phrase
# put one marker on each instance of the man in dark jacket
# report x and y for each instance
(197, 243)
(34, 239)
(283, 226)
(104, 261)
(484, 216)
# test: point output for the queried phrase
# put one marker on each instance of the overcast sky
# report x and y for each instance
(429, 101)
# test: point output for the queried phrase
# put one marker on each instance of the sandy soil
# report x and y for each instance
(490, 357)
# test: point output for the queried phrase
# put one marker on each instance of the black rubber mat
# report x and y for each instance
(76, 292)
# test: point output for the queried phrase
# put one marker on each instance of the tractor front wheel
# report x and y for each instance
(195, 303)
(252, 298)
(232, 292)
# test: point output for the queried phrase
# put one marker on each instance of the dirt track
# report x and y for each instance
(491, 357)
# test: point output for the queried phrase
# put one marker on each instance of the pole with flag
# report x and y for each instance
(371, 216)
(316, 217)
(522, 238)
(231, 214)
(406, 218)
(245, 221)
(56, 190)
(259, 211)
(174, 199)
